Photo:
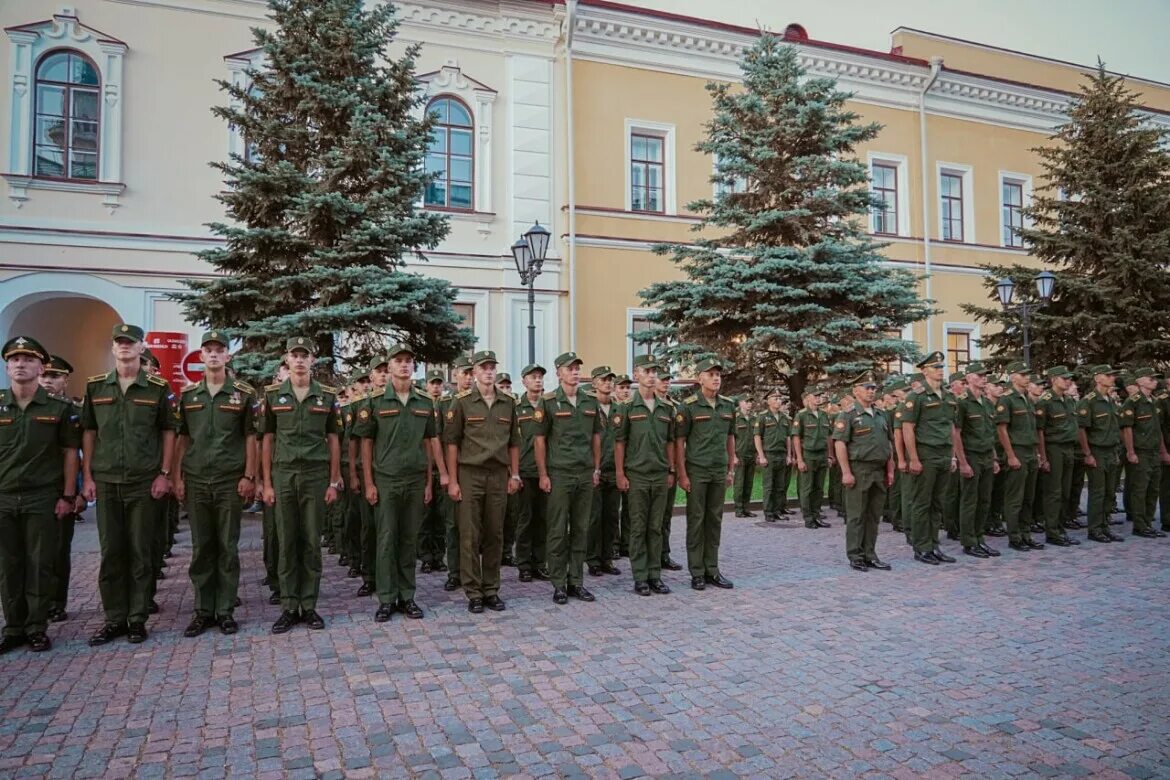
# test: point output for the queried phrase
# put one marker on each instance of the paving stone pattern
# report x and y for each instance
(1048, 664)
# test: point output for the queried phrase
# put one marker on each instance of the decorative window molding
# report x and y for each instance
(666, 132)
(901, 185)
(1019, 187)
(966, 217)
(479, 98)
(28, 43)
(238, 66)
(961, 345)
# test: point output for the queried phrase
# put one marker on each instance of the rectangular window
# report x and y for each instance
(647, 173)
(639, 324)
(885, 187)
(951, 204)
(738, 184)
(958, 350)
(892, 364)
(1013, 213)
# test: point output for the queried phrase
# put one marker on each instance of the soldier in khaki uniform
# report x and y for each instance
(1141, 433)
(531, 525)
(1056, 429)
(215, 471)
(663, 390)
(772, 453)
(512, 512)
(1015, 417)
(128, 419)
(39, 436)
(1100, 437)
(432, 539)
(268, 516)
(603, 533)
(397, 432)
(301, 459)
(568, 462)
(622, 395)
(745, 457)
(704, 435)
(461, 371)
(862, 441)
(928, 431)
(975, 450)
(483, 464)
(364, 552)
(810, 440)
(644, 464)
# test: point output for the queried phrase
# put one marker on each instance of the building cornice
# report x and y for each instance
(515, 20)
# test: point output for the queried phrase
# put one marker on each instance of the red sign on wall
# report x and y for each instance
(169, 348)
(193, 365)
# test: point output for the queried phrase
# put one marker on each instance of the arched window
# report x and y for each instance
(67, 117)
(451, 155)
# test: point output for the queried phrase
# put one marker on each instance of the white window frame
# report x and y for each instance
(972, 331)
(479, 99)
(238, 65)
(27, 44)
(669, 170)
(902, 164)
(633, 313)
(1025, 181)
(967, 174)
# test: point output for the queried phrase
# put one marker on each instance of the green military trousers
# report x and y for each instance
(511, 519)
(705, 525)
(975, 498)
(745, 475)
(908, 487)
(481, 528)
(1019, 491)
(272, 547)
(603, 528)
(893, 508)
(1142, 480)
(570, 509)
(950, 511)
(398, 516)
(126, 520)
(368, 541)
(432, 535)
(213, 510)
(810, 484)
(1055, 484)
(646, 499)
(667, 515)
(1072, 499)
(531, 526)
(1102, 488)
(863, 505)
(775, 483)
(930, 489)
(29, 531)
(1164, 498)
(63, 565)
(624, 533)
(300, 510)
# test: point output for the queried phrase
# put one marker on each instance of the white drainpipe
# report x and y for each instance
(935, 66)
(570, 21)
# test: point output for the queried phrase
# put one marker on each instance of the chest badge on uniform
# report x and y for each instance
(282, 400)
(538, 415)
(363, 414)
(235, 398)
(840, 425)
(450, 414)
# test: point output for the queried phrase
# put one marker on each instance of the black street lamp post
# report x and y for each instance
(1005, 288)
(529, 252)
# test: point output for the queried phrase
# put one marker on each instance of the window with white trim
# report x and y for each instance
(1015, 194)
(889, 182)
(956, 214)
(961, 345)
(650, 167)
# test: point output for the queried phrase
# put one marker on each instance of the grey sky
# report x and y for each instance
(1130, 35)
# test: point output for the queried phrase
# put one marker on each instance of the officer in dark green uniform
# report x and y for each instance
(770, 435)
(862, 440)
(215, 470)
(39, 437)
(1015, 418)
(644, 464)
(302, 474)
(810, 444)
(1141, 433)
(663, 390)
(705, 439)
(397, 432)
(977, 463)
(128, 419)
(55, 380)
(268, 518)
(928, 426)
(745, 457)
(432, 539)
(483, 464)
(461, 373)
(1099, 438)
(531, 527)
(603, 530)
(1056, 428)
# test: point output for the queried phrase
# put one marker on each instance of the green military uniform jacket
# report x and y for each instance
(867, 436)
(482, 433)
(530, 418)
(1017, 411)
(773, 430)
(745, 446)
(33, 441)
(401, 432)
(1097, 415)
(1144, 415)
(813, 428)
(1163, 398)
(976, 425)
(705, 428)
(646, 434)
(608, 437)
(300, 428)
(934, 416)
(568, 431)
(218, 429)
(1057, 417)
(128, 425)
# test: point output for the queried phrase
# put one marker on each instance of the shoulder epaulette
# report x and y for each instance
(725, 398)
(464, 394)
(244, 386)
(157, 380)
(188, 386)
(1090, 395)
(446, 397)
(591, 393)
(506, 394)
(272, 388)
(690, 399)
(420, 394)
(99, 377)
(328, 389)
(1046, 395)
(549, 396)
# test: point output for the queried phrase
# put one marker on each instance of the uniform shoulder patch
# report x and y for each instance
(157, 380)
(99, 377)
(690, 399)
(1046, 395)
(549, 396)
(445, 397)
(1090, 395)
(272, 388)
(243, 387)
(188, 387)
(725, 398)
(507, 395)
(328, 389)
(420, 394)
(464, 394)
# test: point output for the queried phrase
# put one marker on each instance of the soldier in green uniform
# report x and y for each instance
(163, 535)
(483, 464)
(397, 432)
(462, 375)
(301, 459)
(770, 434)
(862, 441)
(215, 471)
(512, 512)
(1141, 433)
(950, 515)
(603, 530)
(892, 394)
(39, 437)
(128, 421)
(928, 431)
(1072, 499)
(55, 381)
(975, 450)
(344, 515)
(745, 457)
(1015, 418)
(531, 526)
(268, 518)
(663, 390)
(622, 395)
(367, 549)
(1099, 438)
(644, 464)
(432, 540)
(704, 432)
(1056, 429)
(568, 462)
(810, 443)
(996, 387)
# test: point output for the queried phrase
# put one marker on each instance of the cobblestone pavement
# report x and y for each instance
(1049, 663)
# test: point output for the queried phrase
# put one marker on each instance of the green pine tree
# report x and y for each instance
(1101, 223)
(792, 289)
(323, 209)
